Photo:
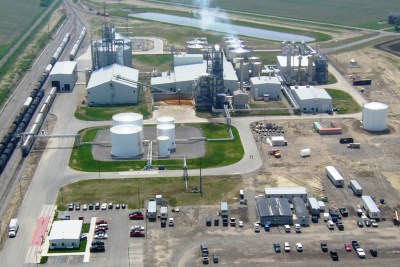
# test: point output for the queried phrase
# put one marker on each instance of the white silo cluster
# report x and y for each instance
(127, 135)
(166, 135)
(374, 117)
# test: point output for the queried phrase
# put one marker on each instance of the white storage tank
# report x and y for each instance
(374, 116)
(166, 120)
(163, 146)
(126, 141)
(167, 130)
(129, 118)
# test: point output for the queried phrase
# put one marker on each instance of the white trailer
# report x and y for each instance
(321, 205)
(313, 205)
(356, 187)
(334, 176)
(370, 207)
(152, 210)
(164, 212)
(13, 228)
(224, 209)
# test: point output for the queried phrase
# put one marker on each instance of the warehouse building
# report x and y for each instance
(286, 192)
(300, 208)
(265, 88)
(274, 211)
(311, 99)
(65, 234)
(114, 84)
(64, 75)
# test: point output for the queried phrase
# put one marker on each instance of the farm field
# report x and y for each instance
(16, 17)
(368, 11)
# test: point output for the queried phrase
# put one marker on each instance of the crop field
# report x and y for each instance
(360, 13)
(16, 16)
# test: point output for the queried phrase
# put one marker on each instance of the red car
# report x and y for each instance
(101, 222)
(137, 233)
(136, 216)
(101, 229)
(347, 247)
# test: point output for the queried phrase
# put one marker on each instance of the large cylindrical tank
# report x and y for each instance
(256, 69)
(165, 120)
(245, 69)
(167, 130)
(163, 146)
(126, 141)
(374, 117)
(129, 118)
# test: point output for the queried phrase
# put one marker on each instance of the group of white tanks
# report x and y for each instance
(127, 135)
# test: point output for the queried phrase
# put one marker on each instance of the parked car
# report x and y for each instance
(277, 248)
(123, 206)
(103, 225)
(334, 255)
(374, 223)
(103, 206)
(136, 215)
(205, 260)
(368, 223)
(225, 221)
(241, 224)
(340, 226)
(232, 222)
(97, 206)
(360, 253)
(97, 249)
(84, 236)
(299, 247)
(324, 247)
(71, 206)
(67, 217)
(208, 222)
(84, 207)
(374, 252)
(97, 242)
(287, 247)
(287, 228)
(117, 206)
(100, 229)
(355, 245)
(330, 224)
(256, 227)
(204, 250)
(101, 222)
(77, 206)
(215, 258)
(360, 223)
(297, 227)
(359, 212)
(91, 206)
(171, 222)
(163, 223)
(347, 247)
(110, 206)
(216, 222)
(100, 236)
(266, 227)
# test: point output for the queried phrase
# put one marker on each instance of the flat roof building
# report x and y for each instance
(263, 85)
(312, 99)
(64, 75)
(65, 234)
(286, 192)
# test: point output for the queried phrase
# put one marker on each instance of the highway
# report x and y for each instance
(53, 171)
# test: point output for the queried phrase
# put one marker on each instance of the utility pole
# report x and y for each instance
(201, 181)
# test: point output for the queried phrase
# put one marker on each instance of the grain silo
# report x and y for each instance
(374, 117)
(167, 130)
(163, 146)
(165, 120)
(126, 141)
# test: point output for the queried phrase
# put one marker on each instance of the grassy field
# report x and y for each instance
(106, 113)
(133, 191)
(16, 16)
(267, 57)
(159, 62)
(218, 153)
(343, 101)
(360, 13)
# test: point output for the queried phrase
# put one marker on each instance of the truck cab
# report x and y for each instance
(13, 228)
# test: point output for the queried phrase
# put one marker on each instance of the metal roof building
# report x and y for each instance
(262, 85)
(312, 99)
(64, 75)
(274, 211)
(370, 207)
(300, 208)
(286, 192)
(114, 84)
(65, 234)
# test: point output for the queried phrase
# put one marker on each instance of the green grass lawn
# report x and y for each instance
(106, 113)
(85, 227)
(343, 101)
(135, 190)
(218, 153)
(81, 248)
(267, 58)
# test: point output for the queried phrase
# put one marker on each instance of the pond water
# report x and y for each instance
(223, 27)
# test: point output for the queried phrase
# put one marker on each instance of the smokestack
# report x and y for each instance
(241, 75)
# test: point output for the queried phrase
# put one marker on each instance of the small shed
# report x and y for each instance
(65, 234)
(278, 141)
(64, 75)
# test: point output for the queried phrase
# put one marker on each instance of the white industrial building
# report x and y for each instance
(265, 87)
(311, 99)
(114, 84)
(188, 68)
(64, 75)
(65, 234)
(286, 192)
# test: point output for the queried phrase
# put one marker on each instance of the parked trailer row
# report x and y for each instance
(10, 140)
(356, 187)
(78, 43)
(28, 142)
(334, 176)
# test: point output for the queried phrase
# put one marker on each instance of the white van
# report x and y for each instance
(330, 225)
